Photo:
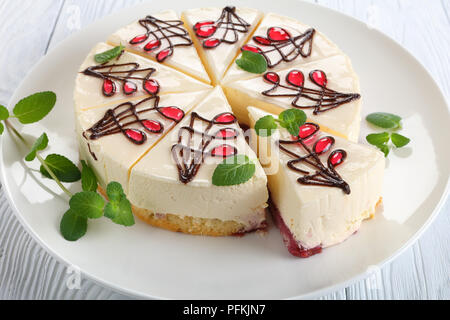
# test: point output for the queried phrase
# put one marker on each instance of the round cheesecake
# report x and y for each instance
(163, 116)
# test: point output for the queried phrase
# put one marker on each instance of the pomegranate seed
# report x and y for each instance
(296, 78)
(227, 134)
(337, 157)
(153, 126)
(211, 43)
(319, 78)
(278, 34)
(206, 31)
(272, 77)
(164, 54)
(129, 87)
(136, 136)
(226, 118)
(262, 41)
(109, 88)
(323, 145)
(172, 113)
(152, 45)
(251, 48)
(139, 39)
(224, 151)
(151, 86)
(308, 130)
(198, 25)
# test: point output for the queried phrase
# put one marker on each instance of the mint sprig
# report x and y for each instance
(119, 208)
(291, 120)
(382, 140)
(234, 171)
(109, 55)
(84, 205)
(252, 62)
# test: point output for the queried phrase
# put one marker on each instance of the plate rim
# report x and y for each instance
(139, 295)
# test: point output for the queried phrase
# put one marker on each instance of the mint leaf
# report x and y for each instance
(40, 144)
(88, 179)
(377, 139)
(2, 128)
(234, 171)
(120, 213)
(107, 56)
(35, 107)
(87, 204)
(115, 192)
(4, 113)
(265, 126)
(384, 120)
(111, 210)
(292, 120)
(63, 168)
(73, 227)
(400, 141)
(119, 207)
(385, 149)
(252, 62)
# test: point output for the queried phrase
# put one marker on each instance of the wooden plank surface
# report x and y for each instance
(30, 28)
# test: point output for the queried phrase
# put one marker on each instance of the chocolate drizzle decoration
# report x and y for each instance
(323, 99)
(126, 74)
(162, 35)
(229, 25)
(189, 157)
(126, 117)
(280, 46)
(322, 175)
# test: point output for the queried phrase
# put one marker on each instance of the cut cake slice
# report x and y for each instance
(322, 187)
(163, 38)
(172, 188)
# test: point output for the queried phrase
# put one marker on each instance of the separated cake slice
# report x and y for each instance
(284, 42)
(327, 90)
(163, 38)
(128, 77)
(218, 35)
(112, 139)
(172, 186)
(322, 187)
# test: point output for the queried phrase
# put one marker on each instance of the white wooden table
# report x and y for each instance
(30, 28)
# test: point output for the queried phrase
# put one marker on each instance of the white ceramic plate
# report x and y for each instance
(150, 263)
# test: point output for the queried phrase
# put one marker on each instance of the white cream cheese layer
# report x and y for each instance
(184, 58)
(217, 60)
(155, 182)
(89, 90)
(113, 155)
(316, 215)
(322, 47)
(343, 121)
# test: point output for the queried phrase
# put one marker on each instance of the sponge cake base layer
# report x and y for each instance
(191, 225)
